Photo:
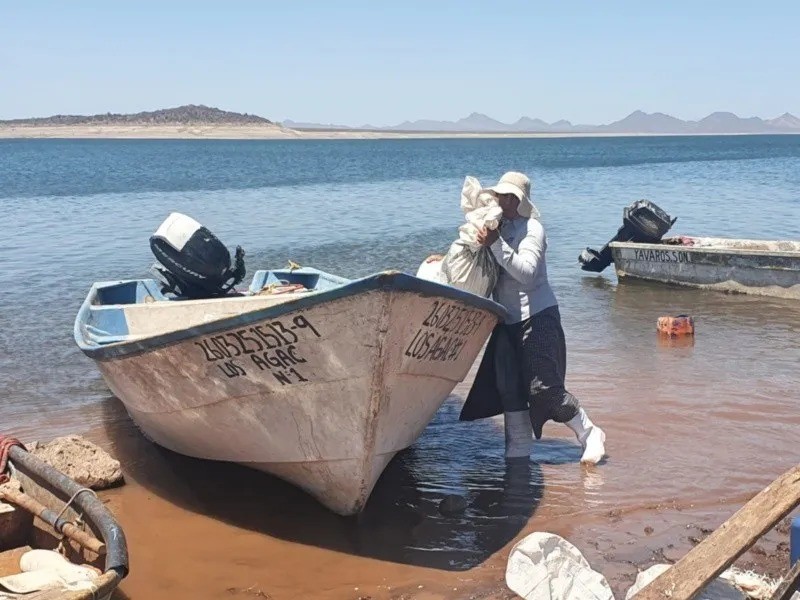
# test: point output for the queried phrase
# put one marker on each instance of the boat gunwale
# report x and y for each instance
(96, 512)
(386, 281)
(710, 249)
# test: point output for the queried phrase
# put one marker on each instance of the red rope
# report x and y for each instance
(6, 443)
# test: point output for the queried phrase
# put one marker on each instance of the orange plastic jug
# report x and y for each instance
(676, 326)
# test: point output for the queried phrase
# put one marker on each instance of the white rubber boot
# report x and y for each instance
(590, 436)
(519, 434)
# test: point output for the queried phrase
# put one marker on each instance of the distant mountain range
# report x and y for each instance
(636, 122)
(190, 114)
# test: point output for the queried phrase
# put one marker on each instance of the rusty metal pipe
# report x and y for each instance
(51, 518)
(95, 511)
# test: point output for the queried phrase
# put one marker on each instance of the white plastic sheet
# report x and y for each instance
(719, 589)
(43, 569)
(544, 566)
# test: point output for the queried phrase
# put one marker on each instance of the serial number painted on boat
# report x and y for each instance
(270, 347)
(675, 256)
(444, 332)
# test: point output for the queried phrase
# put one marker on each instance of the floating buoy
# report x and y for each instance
(676, 326)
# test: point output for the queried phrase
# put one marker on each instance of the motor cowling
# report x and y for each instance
(643, 222)
(192, 262)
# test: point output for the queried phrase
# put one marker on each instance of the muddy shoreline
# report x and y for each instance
(210, 530)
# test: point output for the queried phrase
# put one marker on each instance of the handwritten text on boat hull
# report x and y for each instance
(271, 346)
(444, 332)
(674, 256)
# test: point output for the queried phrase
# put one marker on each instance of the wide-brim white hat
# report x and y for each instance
(519, 185)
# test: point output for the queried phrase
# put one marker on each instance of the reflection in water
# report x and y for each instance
(598, 282)
(680, 341)
(402, 521)
(593, 480)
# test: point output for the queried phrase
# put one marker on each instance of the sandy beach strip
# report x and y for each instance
(257, 132)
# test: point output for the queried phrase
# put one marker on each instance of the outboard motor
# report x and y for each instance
(642, 222)
(194, 262)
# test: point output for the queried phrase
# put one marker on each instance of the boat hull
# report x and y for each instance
(742, 266)
(321, 392)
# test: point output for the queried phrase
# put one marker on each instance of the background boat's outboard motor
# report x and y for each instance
(642, 222)
(194, 263)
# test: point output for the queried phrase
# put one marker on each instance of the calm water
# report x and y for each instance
(699, 426)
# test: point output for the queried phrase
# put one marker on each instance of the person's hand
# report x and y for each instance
(487, 237)
(434, 258)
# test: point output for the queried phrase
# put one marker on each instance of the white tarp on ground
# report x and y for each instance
(544, 566)
(45, 569)
(733, 584)
(719, 589)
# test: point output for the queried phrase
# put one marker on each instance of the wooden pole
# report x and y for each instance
(69, 530)
(718, 551)
(789, 585)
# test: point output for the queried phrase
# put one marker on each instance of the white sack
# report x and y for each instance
(44, 569)
(468, 265)
(431, 271)
(470, 268)
(544, 566)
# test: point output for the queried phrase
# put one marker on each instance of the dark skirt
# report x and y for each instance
(523, 368)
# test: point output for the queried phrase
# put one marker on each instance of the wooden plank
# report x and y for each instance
(85, 539)
(719, 550)
(789, 585)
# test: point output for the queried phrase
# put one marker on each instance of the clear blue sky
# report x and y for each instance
(382, 63)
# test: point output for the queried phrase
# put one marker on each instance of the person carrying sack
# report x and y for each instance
(523, 368)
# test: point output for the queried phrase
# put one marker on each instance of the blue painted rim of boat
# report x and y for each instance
(387, 281)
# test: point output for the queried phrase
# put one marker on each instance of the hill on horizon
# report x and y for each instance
(188, 114)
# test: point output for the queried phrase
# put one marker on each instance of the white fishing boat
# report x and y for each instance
(320, 385)
(762, 267)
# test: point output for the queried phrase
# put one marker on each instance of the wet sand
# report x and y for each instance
(199, 529)
(695, 427)
(206, 530)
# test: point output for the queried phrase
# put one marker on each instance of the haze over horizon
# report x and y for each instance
(354, 63)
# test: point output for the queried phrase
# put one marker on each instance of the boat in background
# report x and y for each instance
(762, 267)
(639, 250)
(314, 378)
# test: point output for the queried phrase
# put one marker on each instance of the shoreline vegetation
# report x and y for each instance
(202, 122)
